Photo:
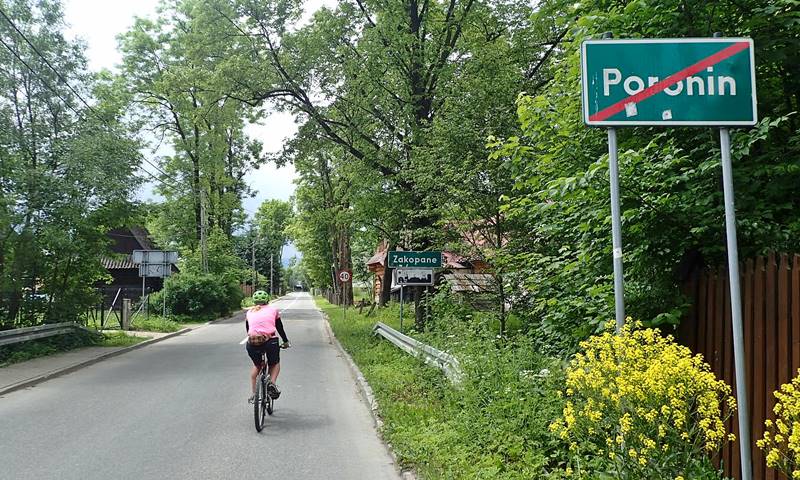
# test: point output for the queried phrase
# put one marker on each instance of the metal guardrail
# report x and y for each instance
(8, 337)
(443, 360)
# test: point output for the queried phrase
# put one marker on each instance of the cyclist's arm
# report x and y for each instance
(281, 331)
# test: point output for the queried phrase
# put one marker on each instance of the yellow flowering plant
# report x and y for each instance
(640, 406)
(781, 441)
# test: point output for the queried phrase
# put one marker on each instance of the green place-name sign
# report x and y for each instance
(697, 81)
(415, 259)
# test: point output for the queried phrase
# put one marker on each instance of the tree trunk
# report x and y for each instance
(419, 312)
(386, 280)
(345, 263)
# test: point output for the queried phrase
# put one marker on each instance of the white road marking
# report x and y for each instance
(294, 300)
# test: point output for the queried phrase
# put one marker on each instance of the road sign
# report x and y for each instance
(693, 81)
(413, 276)
(160, 270)
(154, 256)
(403, 259)
(345, 276)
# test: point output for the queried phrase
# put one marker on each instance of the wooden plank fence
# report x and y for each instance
(771, 315)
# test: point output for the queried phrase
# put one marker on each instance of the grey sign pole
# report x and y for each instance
(401, 307)
(616, 223)
(616, 229)
(736, 305)
(736, 302)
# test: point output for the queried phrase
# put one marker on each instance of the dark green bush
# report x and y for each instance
(199, 295)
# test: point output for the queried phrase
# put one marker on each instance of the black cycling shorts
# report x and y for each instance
(271, 348)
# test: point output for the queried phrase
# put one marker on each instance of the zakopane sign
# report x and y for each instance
(699, 81)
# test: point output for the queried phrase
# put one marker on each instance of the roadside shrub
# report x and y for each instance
(781, 442)
(639, 406)
(199, 295)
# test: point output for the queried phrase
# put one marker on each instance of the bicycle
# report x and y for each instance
(263, 403)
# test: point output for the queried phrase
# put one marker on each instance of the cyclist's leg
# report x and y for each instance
(255, 355)
(274, 363)
(274, 371)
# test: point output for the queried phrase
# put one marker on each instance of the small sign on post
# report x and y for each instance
(345, 276)
(413, 276)
(410, 259)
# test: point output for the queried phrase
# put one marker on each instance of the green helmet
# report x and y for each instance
(260, 297)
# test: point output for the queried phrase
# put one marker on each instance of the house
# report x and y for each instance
(125, 279)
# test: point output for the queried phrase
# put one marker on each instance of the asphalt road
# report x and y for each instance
(178, 409)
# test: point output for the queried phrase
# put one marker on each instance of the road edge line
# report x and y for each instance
(366, 393)
(72, 368)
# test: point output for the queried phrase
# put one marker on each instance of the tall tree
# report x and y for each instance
(174, 70)
(67, 168)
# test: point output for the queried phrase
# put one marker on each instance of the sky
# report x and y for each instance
(98, 22)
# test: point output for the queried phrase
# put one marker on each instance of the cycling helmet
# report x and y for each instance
(260, 297)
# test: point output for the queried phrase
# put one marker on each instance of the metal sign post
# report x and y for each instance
(616, 225)
(401, 307)
(345, 277)
(736, 304)
(616, 229)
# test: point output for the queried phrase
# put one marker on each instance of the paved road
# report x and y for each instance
(178, 409)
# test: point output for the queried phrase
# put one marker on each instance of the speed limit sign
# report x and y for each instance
(345, 276)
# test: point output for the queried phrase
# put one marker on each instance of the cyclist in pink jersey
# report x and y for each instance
(262, 322)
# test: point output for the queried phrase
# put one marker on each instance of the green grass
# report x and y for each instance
(120, 339)
(155, 323)
(22, 352)
(495, 426)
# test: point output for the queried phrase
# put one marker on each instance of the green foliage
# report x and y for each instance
(559, 248)
(222, 259)
(21, 352)
(155, 323)
(494, 426)
(200, 295)
(43, 347)
(67, 172)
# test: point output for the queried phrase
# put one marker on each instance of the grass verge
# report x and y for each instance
(494, 426)
(155, 323)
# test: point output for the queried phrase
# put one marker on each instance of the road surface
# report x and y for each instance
(178, 409)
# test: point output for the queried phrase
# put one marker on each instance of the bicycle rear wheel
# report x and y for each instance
(260, 402)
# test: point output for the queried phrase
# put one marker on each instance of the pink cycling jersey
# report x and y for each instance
(261, 320)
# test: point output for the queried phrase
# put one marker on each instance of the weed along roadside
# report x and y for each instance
(519, 414)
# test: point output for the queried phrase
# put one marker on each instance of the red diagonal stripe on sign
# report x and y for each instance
(614, 109)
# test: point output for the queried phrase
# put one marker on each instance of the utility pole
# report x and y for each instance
(255, 274)
(270, 273)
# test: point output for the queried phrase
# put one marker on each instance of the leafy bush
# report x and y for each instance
(638, 405)
(199, 295)
(781, 441)
(24, 351)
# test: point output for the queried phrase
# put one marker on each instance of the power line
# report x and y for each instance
(67, 103)
(58, 74)
(44, 82)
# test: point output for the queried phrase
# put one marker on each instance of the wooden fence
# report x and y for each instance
(770, 290)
